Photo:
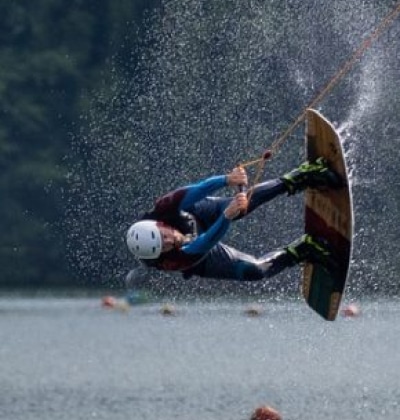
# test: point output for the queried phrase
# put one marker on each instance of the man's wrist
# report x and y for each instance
(229, 214)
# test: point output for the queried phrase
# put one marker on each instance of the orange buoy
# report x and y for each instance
(111, 302)
(350, 311)
(108, 301)
(266, 413)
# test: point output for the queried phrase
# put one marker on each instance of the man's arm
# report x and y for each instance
(202, 189)
(207, 240)
(184, 198)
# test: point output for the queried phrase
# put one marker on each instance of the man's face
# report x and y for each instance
(171, 238)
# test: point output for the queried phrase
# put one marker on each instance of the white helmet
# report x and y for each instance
(144, 239)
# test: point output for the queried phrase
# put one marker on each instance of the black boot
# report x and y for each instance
(310, 249)
(275, 261)
(315, 174)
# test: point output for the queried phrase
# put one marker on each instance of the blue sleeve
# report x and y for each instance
(200, 190)
(204, 242)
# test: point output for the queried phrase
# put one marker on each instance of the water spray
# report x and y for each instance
(365, 45)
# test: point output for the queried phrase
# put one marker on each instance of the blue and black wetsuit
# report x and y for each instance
(198, 215)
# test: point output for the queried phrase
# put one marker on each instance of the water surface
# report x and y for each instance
(69, 358)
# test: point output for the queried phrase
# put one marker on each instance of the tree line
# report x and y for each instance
(53, 54)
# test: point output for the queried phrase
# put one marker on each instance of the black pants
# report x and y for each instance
(225, 262)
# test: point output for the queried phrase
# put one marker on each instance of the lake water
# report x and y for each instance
(69, 358)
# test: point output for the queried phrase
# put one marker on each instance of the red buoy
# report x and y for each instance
(108, 301)
(267, 154)
(266, 413)
(350, 311)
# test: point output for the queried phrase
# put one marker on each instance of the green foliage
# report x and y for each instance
(53, 55)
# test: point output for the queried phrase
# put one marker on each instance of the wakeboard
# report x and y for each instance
(328, 215)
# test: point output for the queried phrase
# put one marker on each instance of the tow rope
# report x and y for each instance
(358, 53)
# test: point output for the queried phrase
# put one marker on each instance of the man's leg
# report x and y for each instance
(227, 263)
(209, 209)
(264, 192)
(315, 174)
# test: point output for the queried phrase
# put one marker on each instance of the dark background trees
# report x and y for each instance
(53, 55)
